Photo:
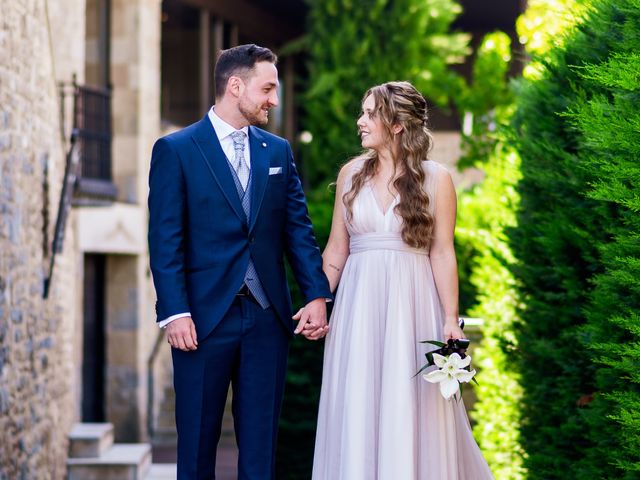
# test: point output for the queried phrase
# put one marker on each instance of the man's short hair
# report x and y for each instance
(239, 61)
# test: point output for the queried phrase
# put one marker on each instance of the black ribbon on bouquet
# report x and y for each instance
(458, 346)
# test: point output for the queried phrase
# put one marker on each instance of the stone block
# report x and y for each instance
(88, 440)
(120, 462)
(5, 141)
(121, 351)
(162, 471)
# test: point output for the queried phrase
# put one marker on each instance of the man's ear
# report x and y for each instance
(397, 128)
(235, 86)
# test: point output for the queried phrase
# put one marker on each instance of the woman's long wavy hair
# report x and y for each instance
(399, 103)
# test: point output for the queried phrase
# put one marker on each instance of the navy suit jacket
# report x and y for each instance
(199, 240)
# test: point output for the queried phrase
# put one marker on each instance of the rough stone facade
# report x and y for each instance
(36, 344)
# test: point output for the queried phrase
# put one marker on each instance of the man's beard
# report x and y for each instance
(249, 113)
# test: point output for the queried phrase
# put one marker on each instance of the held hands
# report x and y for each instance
(452, 329)
(181, 334)
(312, 320)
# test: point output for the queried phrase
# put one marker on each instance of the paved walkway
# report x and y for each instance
(226, 464)
(227, 457)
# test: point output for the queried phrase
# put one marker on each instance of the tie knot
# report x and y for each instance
(238, 139)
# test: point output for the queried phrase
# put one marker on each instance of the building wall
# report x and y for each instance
(37, 348)
(446, 150)
(132, 331)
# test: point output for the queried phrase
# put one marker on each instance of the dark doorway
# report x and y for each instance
(93, 344)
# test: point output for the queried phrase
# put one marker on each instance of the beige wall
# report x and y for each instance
(37, 384)
(446, 150)
(135, 74)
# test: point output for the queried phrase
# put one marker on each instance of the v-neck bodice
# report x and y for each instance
(377, 201)
(368, 216)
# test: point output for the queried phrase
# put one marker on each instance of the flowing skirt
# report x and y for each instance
(377, 420)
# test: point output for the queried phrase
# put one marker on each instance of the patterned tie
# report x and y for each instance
(243, 183)
(239, 163)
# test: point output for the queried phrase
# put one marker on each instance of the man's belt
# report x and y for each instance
(244, 292)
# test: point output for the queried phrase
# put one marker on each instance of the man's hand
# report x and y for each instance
(181, 334)
(312, 319)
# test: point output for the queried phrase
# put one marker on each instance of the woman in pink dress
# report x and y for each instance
(390, 255)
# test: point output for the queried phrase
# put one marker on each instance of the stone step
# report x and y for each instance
(162, 471)
(120, 462)
(90, 439)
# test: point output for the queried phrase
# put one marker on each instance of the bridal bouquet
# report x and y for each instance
(453, 366)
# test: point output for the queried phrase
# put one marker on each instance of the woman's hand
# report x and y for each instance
(452, 330)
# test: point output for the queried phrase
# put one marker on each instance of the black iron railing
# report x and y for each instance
(69, 181)
(92, 121)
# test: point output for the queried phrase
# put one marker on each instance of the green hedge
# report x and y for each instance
(485, 211)
(608, 121)
(355, 45)
(576, 242)
(484, 214)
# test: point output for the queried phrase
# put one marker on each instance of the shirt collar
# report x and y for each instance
(222, 128)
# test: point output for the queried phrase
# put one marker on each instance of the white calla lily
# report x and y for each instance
(450, 374)
(439, 360)
(464, 362)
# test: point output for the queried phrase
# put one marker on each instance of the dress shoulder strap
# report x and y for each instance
(354, 166)
(431, 170)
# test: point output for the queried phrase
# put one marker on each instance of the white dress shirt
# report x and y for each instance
(223, 131)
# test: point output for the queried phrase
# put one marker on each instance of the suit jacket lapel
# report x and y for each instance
(207, 141)
(259, 171)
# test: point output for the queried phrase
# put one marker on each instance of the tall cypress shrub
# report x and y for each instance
(487, 210)
(607, 118)
(577, 251)
(555, 255)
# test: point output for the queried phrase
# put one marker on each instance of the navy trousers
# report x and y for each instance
(249, 350)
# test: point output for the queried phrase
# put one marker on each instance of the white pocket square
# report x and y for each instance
(275, 170)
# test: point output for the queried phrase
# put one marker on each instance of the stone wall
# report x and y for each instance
(37, 386)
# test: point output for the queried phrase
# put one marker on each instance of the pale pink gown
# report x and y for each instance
(376, 420)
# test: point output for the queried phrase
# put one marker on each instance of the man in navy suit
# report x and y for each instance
(225, 206)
